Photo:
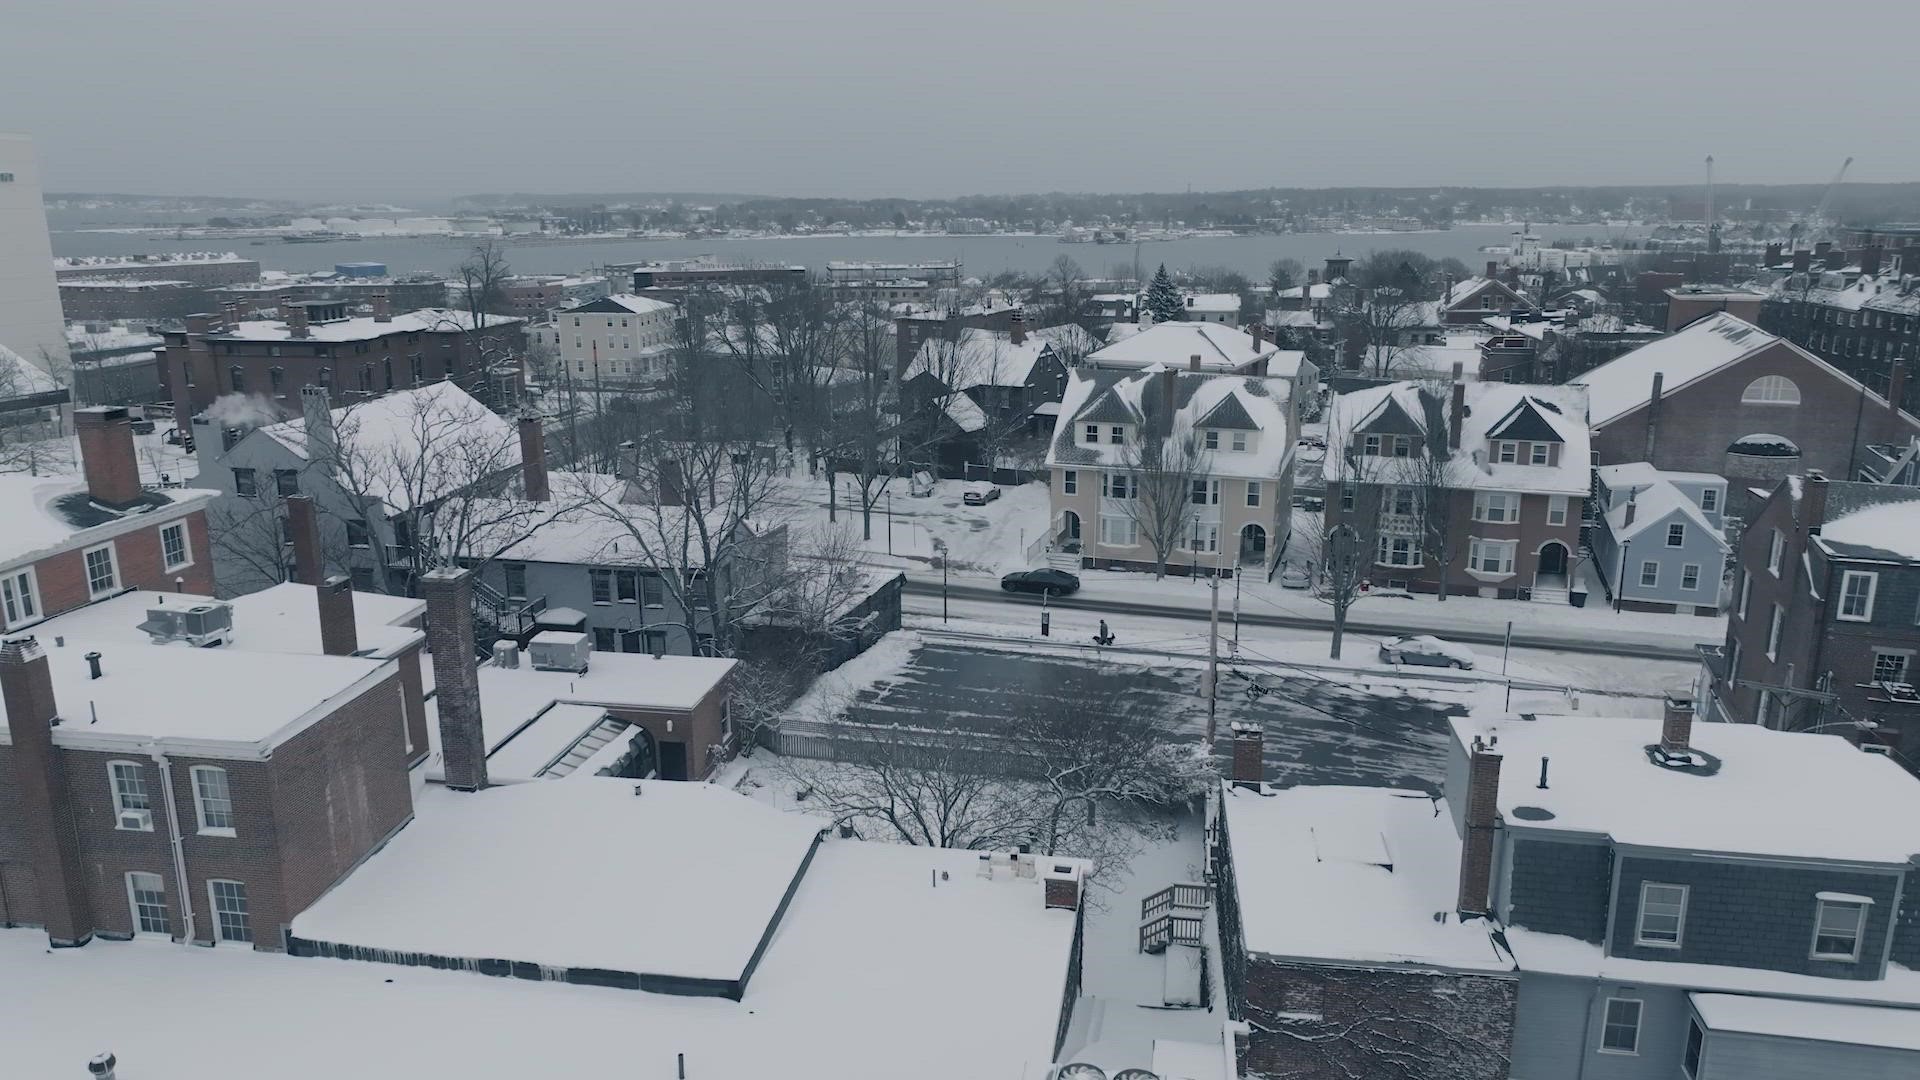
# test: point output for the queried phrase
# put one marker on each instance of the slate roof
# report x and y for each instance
(1137, 397)
(1229, 415)
(1523, 423)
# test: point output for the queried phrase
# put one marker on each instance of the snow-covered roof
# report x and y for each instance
(1218, 303)
(1219, 347)
(364, 327)
(1625, 383)
(382, 438)
(1364, 875)
(1891, 529)
(1121, 331)
(45, 514)
(1127, 397)
(871, 968)
(1562, 954)
(1430, 361)
(1465, 290)
(1881, 293)
(979, 358)
(1817, 1021)
(1773, 793)
(1639, 474)
(214, 702)
(282, 619)
(512, 698)
(578, 525)
(1519, 411)
(1653, 505)
(1069, 338)
(619, 303)
(1318, 290)
(654, 877)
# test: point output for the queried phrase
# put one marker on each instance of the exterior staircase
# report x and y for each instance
(1176, 915)
(607, 730)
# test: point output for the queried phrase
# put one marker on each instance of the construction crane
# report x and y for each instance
(1710, 244)
(1819, 218)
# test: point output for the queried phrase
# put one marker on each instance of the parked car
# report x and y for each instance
(1048, 581)
(1309, 502)
(980, 494)
(1295, 577)
(1313, 442)
(1427, 651)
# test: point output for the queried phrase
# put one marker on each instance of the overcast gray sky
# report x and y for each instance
(408, 99)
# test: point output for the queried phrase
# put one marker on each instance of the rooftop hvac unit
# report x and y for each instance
(200, 624)
(556, 650)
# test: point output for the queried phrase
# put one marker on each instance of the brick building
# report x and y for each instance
(104, 299)
(1492, 476)
(1824, 602)
(1859, 310)
(205, 268)
(67, 544)
(1725, 397)
(410, 293)
(320, 344)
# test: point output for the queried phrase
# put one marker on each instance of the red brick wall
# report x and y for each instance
(441, 354)
(1698, 422)
(413, 685)
(1335, 1023)
(699, 730)
(338, 792)
(62, 578)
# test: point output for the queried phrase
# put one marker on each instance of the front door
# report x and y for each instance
(673, 760)
(1553, 559)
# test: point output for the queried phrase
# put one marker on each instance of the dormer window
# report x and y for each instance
(1090, 433)
(1240, 440)
(1507, 452)
(1370, 446)
(1539, 453)
(1117, 434)
(1211, 439)
(1402, 446)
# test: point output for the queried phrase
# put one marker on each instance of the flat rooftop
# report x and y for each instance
(664, 880)
(1766, 792)
(874, 973)
(282, 619)
(1853, 1025)
(44, 514)
(1353, 874)
(211, 702)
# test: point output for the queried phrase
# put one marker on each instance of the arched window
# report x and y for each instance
(1771, 390)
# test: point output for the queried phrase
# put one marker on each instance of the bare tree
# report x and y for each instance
(1433, 477)
(1346, 537)
(785, 340)
(483, 278)
(1282, 275)
(1159, 468)
(1379, 324)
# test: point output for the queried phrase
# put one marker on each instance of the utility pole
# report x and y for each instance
(1213, 655)
(1235, 649)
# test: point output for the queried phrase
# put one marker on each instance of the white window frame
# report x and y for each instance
(1508, 453)
(204, 812)
(1370, 446)
(1557, 507)
(1389, 553)
(1676, 534)
(1210, 438)
(1746, 593)
(1122, 526)
(1649, 581)
(1774, 630)
(1253, 493)
(1483, 506)
(1477, 550)
(123, 811)
(1089, 434)
(133, 904)
(186, 546)
(1905, 656)
(1679, 917)
(113, 567)
(1777, 547)
(214, 912)
(1690, 569)
(1771, 390)
(1847, 578)
(1239, 441)
(1710, 500)
(1069, 481)
(1607, 1021)
(1821, 906)
(20, 587)
(1686, 1047)
(1117, 434)
(1539, 454)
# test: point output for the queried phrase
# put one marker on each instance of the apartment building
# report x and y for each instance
(620, 338)
(1825, 617)
(68, 543)
(1109, 499)
(1479, 490)
(319, 343)
(1860, 310)
(206, 268)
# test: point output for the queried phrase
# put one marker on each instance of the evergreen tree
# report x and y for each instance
(1163, 300)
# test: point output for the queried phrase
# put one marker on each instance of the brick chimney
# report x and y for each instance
(1016, 328)
(1482, 812)
(316, 420)
(1062, 883)
(1821, 247)
(1897, 386)
(1802, 260)
(672, 485)
(1249, 753)
(45, 814)
(1193, 362)
(1870, 261)
(382, 308)
(232, 311)
(1633, 503)
(1654, 403)
(1168, 378)
(1259, 337)
(106, 455)
(303, 526)
(1676, 725)
(1456, 409)
(463, 744)
(533, 459)
(1835, 259)
(1813, 502)
(338, 634)
(1773, 254)
(1493, 269)
(296, 317)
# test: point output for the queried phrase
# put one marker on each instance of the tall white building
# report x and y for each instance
(30, 320)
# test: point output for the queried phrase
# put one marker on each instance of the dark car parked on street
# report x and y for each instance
(1050, 582)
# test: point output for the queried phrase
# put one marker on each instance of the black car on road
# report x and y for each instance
(1047, 581)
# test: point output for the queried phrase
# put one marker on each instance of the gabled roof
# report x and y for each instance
(1229, 415)
(1220, 348)
(1463, 291)
(619, 304)
(1390, 417)
(1561, 409)
(1137, 397)
(979, 358)
(1109, 408)
(1656, 504)
(1523, 423)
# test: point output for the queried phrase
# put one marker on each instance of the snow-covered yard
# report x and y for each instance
(909, 529)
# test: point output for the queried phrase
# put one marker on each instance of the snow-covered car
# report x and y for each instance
(1044, 580)
(1427, 651)
(1295, 577)
(979, 494)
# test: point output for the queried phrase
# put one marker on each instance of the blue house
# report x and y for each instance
(1659, 541)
